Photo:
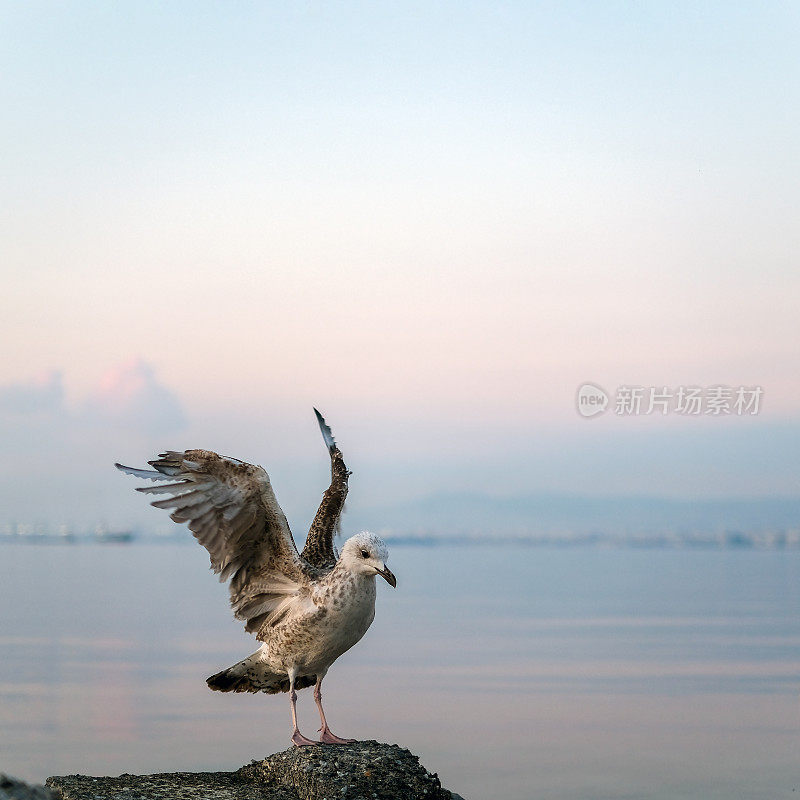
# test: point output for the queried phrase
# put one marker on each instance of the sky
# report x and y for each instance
(433, 221)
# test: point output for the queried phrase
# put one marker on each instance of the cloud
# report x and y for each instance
(41, 396)
(57, 457)
(130, 395)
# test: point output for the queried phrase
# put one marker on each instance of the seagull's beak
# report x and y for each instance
(387, 573)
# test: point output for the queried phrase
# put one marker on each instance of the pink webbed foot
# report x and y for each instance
(326, 737)
(298, 740)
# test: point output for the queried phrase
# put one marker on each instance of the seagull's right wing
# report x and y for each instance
(319, 549)
(232, 511)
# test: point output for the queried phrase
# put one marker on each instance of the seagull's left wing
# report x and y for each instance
(319, 549)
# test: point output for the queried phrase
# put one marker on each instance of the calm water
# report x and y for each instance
(514, 672)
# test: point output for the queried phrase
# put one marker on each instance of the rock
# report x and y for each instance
(12, 789)
(361, 771)
(367, 770)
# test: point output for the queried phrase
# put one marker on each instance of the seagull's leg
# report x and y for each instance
(326, 737)
(298, 740)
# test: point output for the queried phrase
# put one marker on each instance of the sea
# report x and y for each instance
(514, 671)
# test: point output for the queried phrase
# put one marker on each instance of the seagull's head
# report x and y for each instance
(367, 554)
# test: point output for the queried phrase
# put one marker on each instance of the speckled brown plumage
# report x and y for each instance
(232, 511)
(319, 549)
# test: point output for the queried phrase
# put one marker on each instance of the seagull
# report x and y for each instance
(305, 608)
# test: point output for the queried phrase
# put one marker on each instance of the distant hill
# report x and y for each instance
(555, 513)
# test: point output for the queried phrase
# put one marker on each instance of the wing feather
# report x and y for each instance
(163, 488)
(327, 433)
(150, 474)
(177, 500)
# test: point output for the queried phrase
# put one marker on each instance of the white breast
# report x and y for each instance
(349, 611)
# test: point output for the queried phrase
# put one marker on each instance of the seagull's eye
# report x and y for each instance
(364, 554)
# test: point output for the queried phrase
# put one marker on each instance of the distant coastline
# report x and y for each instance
(727, 540)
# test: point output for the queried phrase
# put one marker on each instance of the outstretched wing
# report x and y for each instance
(319, 549)
(232, 511)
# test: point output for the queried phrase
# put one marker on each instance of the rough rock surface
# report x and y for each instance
(360, 771)
(166, 786)
(12, 789)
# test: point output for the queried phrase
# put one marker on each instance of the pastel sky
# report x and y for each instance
(431, 220)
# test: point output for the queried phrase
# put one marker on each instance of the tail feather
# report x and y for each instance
(253, 675)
